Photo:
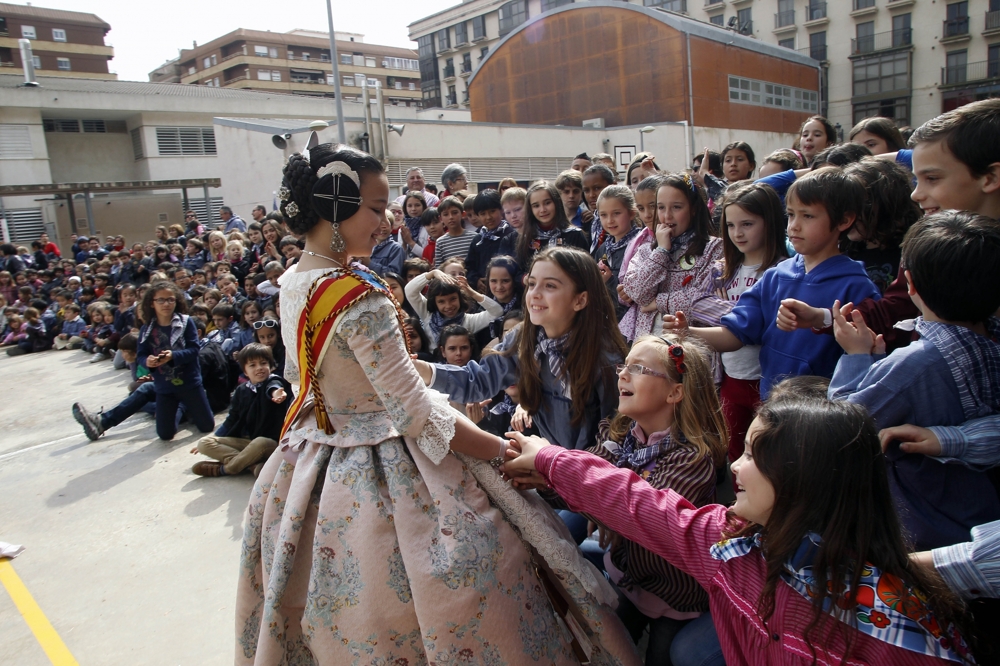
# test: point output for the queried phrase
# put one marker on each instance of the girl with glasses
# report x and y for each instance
(168, 347)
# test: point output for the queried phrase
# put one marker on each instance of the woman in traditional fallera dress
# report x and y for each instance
(378, 533)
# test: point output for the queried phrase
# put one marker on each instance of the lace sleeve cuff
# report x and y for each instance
(439, 429)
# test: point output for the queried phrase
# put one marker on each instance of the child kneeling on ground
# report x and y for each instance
(250, 433)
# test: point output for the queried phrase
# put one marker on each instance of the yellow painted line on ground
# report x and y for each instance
(40, 626)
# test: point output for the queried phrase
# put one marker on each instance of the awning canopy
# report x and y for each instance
(109, 186)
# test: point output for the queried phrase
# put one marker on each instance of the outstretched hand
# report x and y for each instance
(676, 322)
(852, 333)
(912, 439)
(522, 469)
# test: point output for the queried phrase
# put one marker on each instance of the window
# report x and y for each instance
(36, 62)
(816, 10)
(137, 143)
(359, 80)
(958, 19)
(718, 19)
(272, 52)
(369, 61)
(444, 43)
(275, 75)
(993, 62)
(324, 56)
(215, 59)
(452, 99)
(863, 4)
(192, 69)
(817, 45)
(401, 63)
(669, 5)
(865, 37)
(483, 52)
(787, 43)
(359, 60)
(206, 63)
(955, 69)
(58, 35)
(305, 55)
(291, 55)
(62, 125)
(413, 86)
(28, 32)
(744, 20)
(897, 108)
(263, 75)
(347, 80)
(216, 81)
(372, 82)
(512, 15)
(185, 141)
(15, 141)
(552, 4)
(762, 93)
(461, 33)
(466, 62)
(901, 33)
(63, 64)
(882, 74)
(3, 26)
(346, 59)
(478, 27)
(260, 51)
(786, 14)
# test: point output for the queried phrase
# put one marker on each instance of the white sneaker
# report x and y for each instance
(97, 356)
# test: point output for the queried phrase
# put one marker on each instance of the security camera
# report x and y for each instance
(280, 141)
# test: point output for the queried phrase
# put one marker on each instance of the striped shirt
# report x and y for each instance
(671, 527)
(690, 474)
(972, 569)
(448, 246)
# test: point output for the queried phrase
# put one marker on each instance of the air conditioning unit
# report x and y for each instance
(594, 123)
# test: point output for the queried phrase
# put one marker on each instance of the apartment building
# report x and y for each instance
(297, 62)
(909, 60)
(63, 43)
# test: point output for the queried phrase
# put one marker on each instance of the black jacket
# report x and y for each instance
(214, 375)
(253, 413)
(481, 251)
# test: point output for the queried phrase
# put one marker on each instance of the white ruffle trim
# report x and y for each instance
(535, 520)
(439, 429)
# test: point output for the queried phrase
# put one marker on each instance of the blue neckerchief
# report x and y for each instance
(888, 610)
(636, 457)
(505, 406)
(495, 235)
(555, 354)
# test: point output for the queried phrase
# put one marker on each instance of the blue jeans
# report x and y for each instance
(576, 523)
(195, 404)
(138, 399)
(697, 644)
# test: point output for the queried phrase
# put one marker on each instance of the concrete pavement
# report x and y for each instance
(132, 558)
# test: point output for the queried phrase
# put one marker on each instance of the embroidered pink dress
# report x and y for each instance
(377, 545)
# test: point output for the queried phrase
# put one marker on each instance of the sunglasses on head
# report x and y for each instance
(270, 323)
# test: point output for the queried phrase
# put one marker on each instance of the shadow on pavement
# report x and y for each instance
(218, 491)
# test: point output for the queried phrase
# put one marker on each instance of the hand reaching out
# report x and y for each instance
(676, 322)
(524, 464)
(793, 315)
(853, 334)
(278, 396)
(912, 439)
(521, 419)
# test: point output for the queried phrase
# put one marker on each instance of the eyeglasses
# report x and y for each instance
(164, 301)
(636, 369)
(270, 323)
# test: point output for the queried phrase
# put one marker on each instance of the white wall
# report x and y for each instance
(88, 157)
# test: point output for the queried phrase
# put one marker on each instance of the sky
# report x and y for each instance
(145, 35)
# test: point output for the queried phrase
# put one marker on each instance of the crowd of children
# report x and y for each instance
(776, 315)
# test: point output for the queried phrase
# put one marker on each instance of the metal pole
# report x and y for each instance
(184, 192)
(383, 133)
(90, 215)
(72, 213)
(368, 115)
(208, 207)
(334, 60)
(4, 231)
(642, 141)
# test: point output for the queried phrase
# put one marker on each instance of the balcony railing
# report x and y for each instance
(679, 6)
(450, 100)
(882, 41)
(984, 70)
(466, 68)
(814, 52)
(816, 11)
(863, 4)
(449, 72)
(781, 19)
(992, 20)
(235, 79)
(955, 27)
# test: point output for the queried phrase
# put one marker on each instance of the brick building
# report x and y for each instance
(297, 62)
(63, 43)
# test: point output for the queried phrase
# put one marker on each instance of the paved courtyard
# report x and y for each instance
(131, 557)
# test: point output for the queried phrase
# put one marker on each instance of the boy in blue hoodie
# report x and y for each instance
(948, 376)
(822, 206)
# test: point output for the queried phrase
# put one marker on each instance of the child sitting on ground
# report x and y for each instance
(251, 431)
(949, 376)
(73, 325)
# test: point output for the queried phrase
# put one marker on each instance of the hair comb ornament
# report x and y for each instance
(337, 192)
(284, 193)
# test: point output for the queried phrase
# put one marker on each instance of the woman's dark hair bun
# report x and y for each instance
(299, 178)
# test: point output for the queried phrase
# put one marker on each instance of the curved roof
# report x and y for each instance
(676, 21)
